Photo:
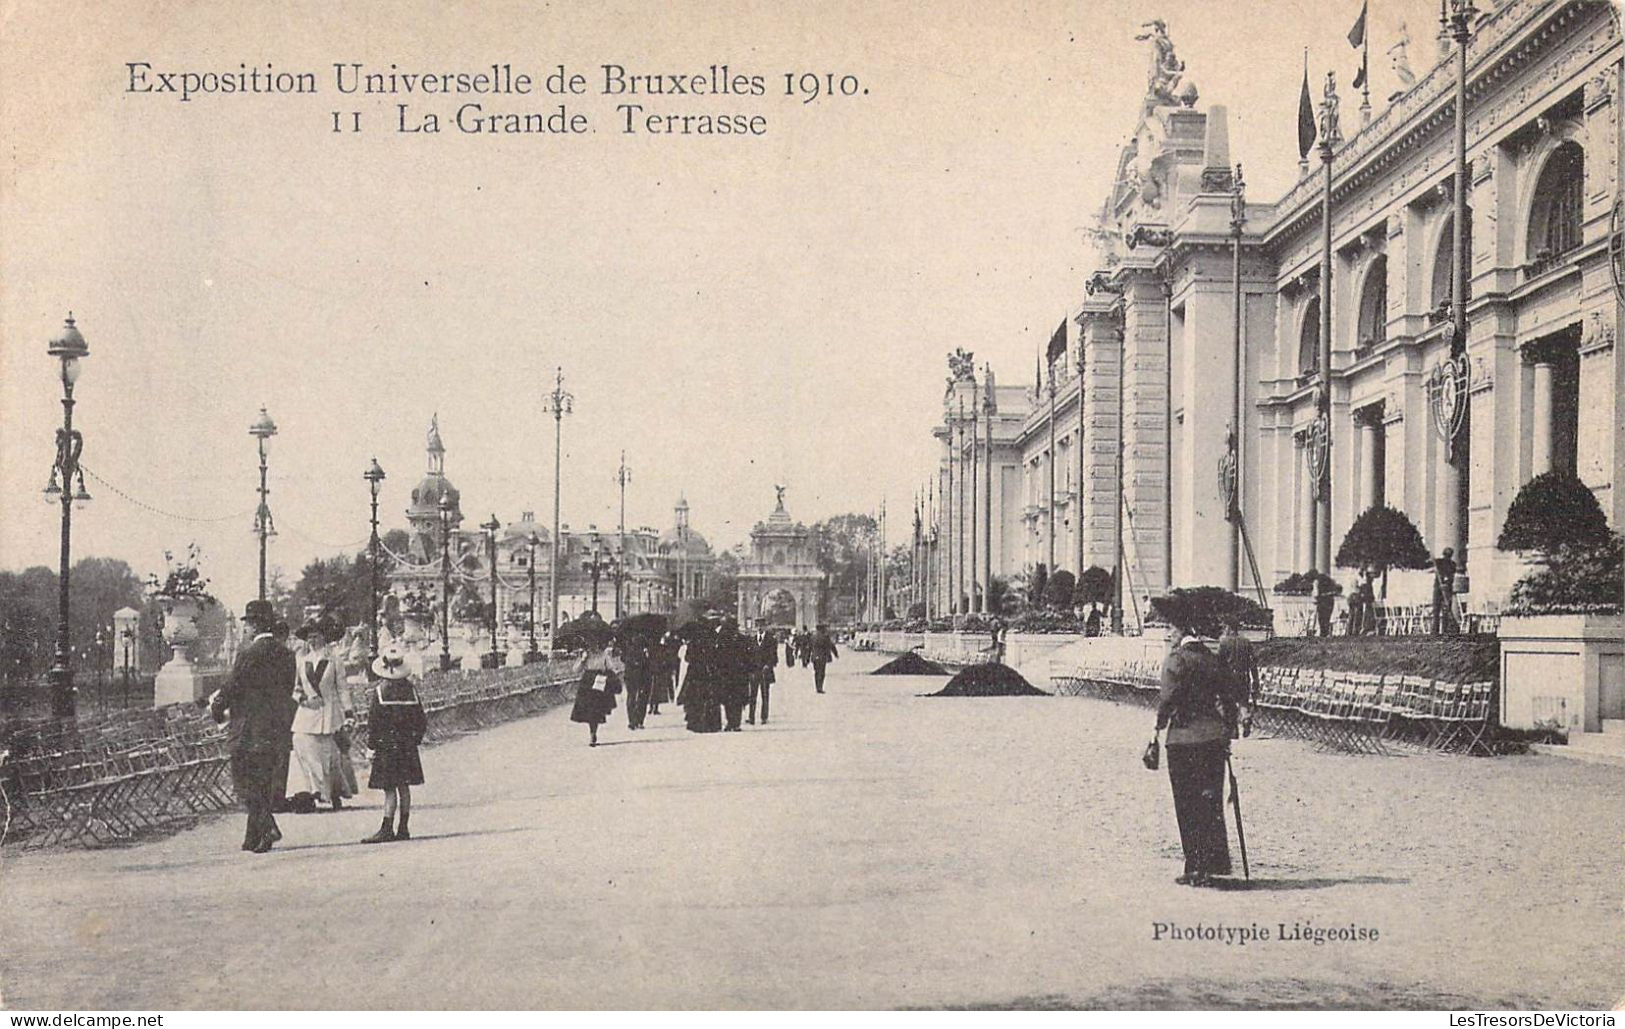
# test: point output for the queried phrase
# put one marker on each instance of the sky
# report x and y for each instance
(733, 313)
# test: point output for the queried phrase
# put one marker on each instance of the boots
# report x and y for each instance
(385, 834)
(401, 832)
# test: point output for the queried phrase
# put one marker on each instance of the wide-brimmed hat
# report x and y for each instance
(314, 625)
(391, 663)
(259, 612)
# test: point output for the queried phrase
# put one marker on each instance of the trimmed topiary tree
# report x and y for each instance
(1094, 587)
(1553, 511)
(1206, 610)
(1573, 580)
(1058, 591)
(1383, 538)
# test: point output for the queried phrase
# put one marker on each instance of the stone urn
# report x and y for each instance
(178, 681)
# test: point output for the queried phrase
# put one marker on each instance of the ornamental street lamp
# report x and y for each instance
(491, 528)
(445, 582)
(597, 565)
(623, 476)
(69, 348)
(375, 478)
(557, 403)
(263, 429)
(530, 616)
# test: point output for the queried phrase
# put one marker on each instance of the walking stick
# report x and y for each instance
(1241, 832)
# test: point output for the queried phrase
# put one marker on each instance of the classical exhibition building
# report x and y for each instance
(653, 571)
(1146, 369)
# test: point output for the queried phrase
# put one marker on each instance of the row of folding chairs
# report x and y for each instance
(98, 793)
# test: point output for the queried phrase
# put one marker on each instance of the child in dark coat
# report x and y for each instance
(395, 727)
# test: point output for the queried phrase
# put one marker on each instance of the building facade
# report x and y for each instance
(780, 582)
(1122, 455)
(650, 571)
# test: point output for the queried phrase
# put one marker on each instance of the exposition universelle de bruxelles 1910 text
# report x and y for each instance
(503, 99)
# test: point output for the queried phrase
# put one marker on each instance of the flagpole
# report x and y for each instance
(1365, 80)
(1330, 137)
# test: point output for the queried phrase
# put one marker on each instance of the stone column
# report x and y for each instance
(1366, 421)
(1306, 506)
(1540, 428)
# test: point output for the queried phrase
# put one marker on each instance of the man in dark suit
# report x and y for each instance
(258, 698)
(820, 652)
(761, 684)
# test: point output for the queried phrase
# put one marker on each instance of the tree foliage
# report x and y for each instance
(1553, 511)
(1038, 584)
(1094, 587)
(1384, 538)
(100, 586)
(1058, 591)
(1206, 610)
(1574, 579)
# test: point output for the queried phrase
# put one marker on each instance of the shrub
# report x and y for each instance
(1383, 538)
(1574, 580)
(1058, 591)
(1207, 609)
(1302, 584)
(1036, 586)
(1039, 620)
(1094, 587)
(1553, 511)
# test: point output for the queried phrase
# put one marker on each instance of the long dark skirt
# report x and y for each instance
(1196, 771)
(592, 706)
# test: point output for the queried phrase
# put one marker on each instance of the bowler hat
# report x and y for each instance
(260, 612)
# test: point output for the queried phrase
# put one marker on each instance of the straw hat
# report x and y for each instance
(391, 663)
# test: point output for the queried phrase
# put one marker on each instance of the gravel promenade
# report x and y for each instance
(869, 849)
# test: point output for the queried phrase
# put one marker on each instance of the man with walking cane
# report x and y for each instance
(1200, 706)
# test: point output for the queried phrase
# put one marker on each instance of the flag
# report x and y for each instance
(1057, 341)
(1306, 115)
(1358, 40)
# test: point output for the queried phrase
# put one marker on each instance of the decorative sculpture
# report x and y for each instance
(1400, 59)
(1166, 68)
(1331, 132)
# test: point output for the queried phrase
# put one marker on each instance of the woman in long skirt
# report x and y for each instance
(1197, 711)
(318, 765)
(595, 696)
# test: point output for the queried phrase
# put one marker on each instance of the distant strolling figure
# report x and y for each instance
(1444, 593)
(638, 676)
(735, 668)
(1199, 706)
(595, 697)
(395, 727)
(761, 687)
(1325, 602)
(319, 766)
(701, 699)
(663, 665)
(821, 651)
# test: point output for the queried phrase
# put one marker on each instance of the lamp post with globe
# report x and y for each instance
(67, 487)
(263, 429)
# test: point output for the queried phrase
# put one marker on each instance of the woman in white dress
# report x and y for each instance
(319, 765)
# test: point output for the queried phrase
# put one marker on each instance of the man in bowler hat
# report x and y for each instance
(258, 698)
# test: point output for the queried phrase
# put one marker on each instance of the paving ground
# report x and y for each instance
(869, 849)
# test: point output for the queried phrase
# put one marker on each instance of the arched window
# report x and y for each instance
(1557, 208)
(1374, 305)
(1444, 267)
(1309, 340)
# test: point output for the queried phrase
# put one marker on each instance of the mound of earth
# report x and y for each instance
(910, 663)
(989, 680)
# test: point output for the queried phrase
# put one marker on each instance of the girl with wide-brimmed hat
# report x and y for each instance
(395, 727)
